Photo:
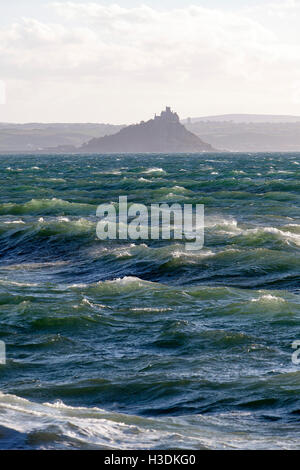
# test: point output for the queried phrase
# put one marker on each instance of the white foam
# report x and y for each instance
(273, 230)
(268, 298)
(217, 221)
(150, 309)
(194, 255)
(125, 281)
(81, 427)
(14, 222)
(144, 180)
(29, 266)
(155, 170)
(18, 284)
(93, 305)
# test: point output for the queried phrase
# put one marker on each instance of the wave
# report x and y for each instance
(144, 180)
(48, 227)
(7, 282)
(147, 344)
(155, 170)
(261, 235)
(220, 222)
(268, 298)
(52, 206)
(124, 285)
(27, 424)
(135, 284)
(56, 425)
(230, 250)
(14, 222)
(33, 266)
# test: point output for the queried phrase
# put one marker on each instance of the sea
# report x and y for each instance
(122, 344)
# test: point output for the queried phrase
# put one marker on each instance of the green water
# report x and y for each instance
(116, 344)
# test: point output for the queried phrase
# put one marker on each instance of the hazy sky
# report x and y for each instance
(121, 61)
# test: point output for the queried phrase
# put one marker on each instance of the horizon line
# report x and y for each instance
(207, 116)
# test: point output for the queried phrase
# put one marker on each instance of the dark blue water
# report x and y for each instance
(122, 344)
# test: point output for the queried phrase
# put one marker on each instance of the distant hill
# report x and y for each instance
(249, 136)
(35, 137)
(163, 134)
(246, 118)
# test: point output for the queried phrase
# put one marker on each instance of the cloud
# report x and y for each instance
(2, 92)
(180, 49)
(283, 8)
(112, 39)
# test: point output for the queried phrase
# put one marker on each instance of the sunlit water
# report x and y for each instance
(144, 345)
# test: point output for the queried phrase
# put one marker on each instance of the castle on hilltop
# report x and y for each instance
(163, 134)
(167, 115)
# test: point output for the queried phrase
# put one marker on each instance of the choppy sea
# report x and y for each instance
(128, 345)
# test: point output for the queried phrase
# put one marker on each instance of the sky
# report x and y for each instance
(121, 61)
